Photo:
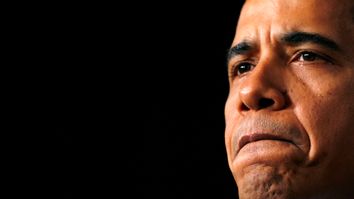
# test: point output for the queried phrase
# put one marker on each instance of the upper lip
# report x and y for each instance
(248, 138)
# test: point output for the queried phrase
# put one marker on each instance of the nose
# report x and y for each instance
(262, 89)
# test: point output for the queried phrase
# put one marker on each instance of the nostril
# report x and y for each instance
(265, 102)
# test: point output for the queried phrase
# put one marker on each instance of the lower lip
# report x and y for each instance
(269, 152)
(265, 145)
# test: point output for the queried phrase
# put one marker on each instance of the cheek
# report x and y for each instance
(231, 117)
(326, 113)
(231, 108)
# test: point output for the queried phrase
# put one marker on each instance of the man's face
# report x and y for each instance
(290, 111)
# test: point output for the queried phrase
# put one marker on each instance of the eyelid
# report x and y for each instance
(236, 64)
(322, 56)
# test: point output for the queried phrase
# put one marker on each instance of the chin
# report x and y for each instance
(262, 171)
(284, 180)
(261, 180)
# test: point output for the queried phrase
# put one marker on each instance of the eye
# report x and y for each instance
(314, 58)
(242, 68)
(307, 56)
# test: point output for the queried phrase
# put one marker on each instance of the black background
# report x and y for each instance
(181, 61)
(162, 66)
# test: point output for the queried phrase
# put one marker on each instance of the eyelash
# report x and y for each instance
(236, 67)
(317, 57)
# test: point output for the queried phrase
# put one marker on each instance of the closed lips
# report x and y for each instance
(246, 139)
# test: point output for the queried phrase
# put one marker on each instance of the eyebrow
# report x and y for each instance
(293, 38)
(241, 48)
(299, 38)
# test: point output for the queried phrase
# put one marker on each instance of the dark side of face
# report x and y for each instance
(290, 111)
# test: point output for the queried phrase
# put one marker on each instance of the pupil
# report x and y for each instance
(243, 68)
(309, 56)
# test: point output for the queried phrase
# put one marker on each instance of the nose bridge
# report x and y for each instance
(268, 72)
(263, 88)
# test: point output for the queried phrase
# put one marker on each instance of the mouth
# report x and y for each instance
(246, 139)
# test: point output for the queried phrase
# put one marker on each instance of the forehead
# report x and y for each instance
(304, 5)
(328, 16)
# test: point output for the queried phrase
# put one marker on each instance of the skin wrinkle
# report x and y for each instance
(312, 102)
(272, 179)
